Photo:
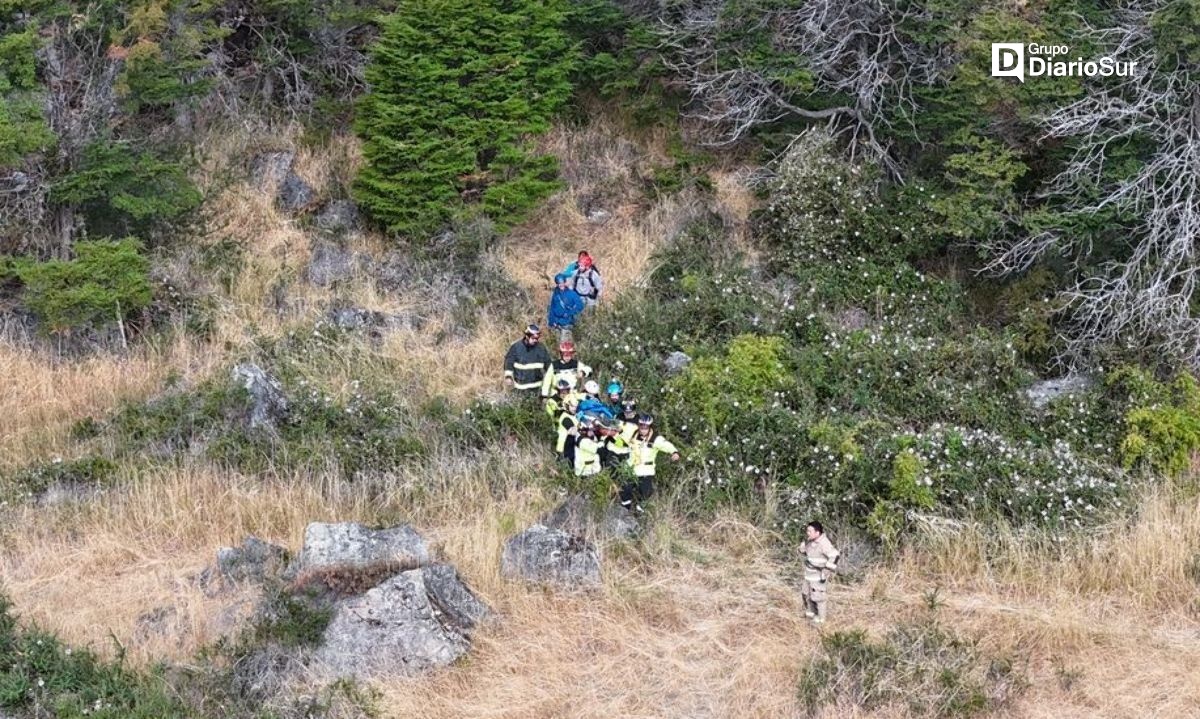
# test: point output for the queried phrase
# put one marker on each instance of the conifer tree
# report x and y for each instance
(457, 89)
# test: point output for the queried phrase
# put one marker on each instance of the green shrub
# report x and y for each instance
(88, 471)
(457, 88)
(744, 378)
(41, 677)
(107, 281)
(1163, 439)
(122, 189)
(920, 669)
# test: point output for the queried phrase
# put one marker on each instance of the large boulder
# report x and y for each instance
(542, 554)
(269, 404)
(578, 515)
(415, 621)
(350, 544)
(1042, 393)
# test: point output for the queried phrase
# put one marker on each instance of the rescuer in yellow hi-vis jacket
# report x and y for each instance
(555, 404)
(820, 562)
(567, 425)
(592, 437)
(644, 446)
(565, 367)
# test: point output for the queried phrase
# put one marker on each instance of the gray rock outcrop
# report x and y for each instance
(269, 404)
(1040, 394)
(542, 554)
(329, 264)
(415, 621)
(294, 195)
(676, 362)
(358, 318)
(349, 544)
(338, 216)
(254, 560)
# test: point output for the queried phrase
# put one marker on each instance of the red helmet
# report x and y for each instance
(585, 260)
(566, 348)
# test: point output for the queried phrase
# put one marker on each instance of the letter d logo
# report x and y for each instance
(1008, 60)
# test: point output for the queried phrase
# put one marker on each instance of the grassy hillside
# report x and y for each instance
(701, 617)
(870, 268)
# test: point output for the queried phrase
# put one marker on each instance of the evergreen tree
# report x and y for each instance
(457, 89)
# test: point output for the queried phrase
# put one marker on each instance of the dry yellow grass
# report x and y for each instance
(42, 396)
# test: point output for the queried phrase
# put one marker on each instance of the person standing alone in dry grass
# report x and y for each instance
(820, 562)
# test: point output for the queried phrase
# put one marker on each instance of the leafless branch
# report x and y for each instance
(1147, 295)
(853, 49)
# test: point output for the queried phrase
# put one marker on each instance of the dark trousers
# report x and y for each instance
(636, 490)
(568, 453)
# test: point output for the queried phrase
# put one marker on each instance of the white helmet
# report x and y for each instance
(591, 387)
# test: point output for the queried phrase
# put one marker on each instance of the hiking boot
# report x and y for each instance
(818, 620)
(810, 614)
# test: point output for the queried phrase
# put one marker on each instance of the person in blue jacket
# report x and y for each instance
(583, 277)
(565, 306)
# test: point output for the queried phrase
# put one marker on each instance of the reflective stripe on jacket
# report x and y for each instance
(566, 422)
(526, 364)
(574, 369)
(818, 554)
(644, 452)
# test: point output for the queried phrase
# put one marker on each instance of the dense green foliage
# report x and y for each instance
(841, 382)
(457, 89)
(106, 281)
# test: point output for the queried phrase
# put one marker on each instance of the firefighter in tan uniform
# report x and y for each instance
(820, 562)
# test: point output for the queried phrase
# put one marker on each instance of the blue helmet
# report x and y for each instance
(614, 388)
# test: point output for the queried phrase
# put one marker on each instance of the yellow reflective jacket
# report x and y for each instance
(565, 422)
(644, 452)
(587, 457)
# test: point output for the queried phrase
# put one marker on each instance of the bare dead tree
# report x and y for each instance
(1148, 295)
(854, 49)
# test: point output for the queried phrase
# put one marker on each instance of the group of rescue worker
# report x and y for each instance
(596, 432)
(599, 432)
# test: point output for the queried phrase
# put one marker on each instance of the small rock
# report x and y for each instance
(270, 405)
(357, 318)
(676, 362)
(541, 554)
(270, 169)
(598, 216)
(252, 561)
(577, 516)
(294, 195)
(330, 263)
(398, 627)
(338, 216)
(15, 182)
(1042, 393)
(351, 544)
